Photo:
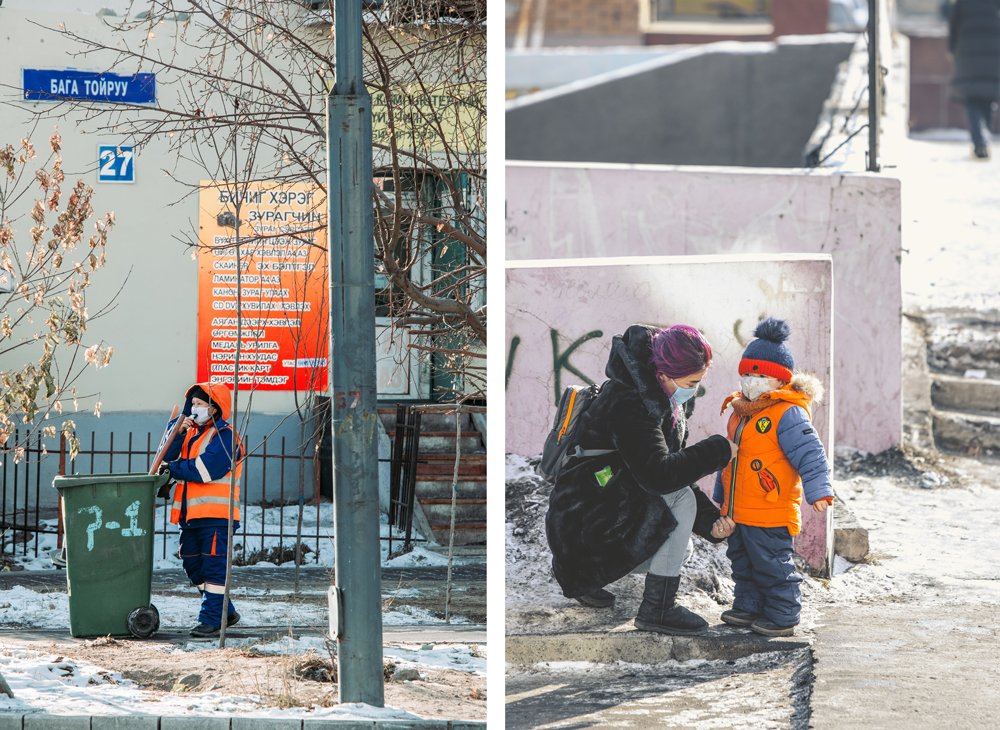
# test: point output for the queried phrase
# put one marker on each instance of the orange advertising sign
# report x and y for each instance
(283, 278)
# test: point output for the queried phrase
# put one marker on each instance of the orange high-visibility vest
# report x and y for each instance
(209, 498)
(760, 486)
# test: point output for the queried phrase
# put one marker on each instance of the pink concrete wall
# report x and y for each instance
(557, 211)
(560, 318)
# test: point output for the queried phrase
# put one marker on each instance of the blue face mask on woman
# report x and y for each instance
(682, 395)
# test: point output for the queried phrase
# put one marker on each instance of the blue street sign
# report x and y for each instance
(117, 164)
(69, 84)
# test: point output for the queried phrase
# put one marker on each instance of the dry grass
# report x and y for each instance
(876, 558)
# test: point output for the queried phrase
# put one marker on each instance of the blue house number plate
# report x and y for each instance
(116, 164)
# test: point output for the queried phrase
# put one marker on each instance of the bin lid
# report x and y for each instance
(79, 480)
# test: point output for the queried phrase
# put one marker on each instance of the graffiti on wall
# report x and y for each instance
(560, 360)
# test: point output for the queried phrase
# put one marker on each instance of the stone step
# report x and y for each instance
(968, 433)
(469, 478)
(973, 395)
(467, 534)
(965, 341)
(444, 464)
(439, 489)
(465, 551)
(467, 512)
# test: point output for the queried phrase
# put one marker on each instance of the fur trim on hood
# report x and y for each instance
(808, 384)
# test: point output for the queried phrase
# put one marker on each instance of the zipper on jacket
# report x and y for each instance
(731, 512)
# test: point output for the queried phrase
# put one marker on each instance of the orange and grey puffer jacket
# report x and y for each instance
(780, 456)
(201, 463)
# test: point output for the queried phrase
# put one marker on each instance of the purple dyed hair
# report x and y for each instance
(680, 351)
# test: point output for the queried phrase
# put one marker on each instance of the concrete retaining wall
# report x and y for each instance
(729, 103)
(557, 211)
(561, 316)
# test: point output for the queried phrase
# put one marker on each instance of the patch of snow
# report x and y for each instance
(841, 565)
(459, 657)
(53, 684)
(517, 467)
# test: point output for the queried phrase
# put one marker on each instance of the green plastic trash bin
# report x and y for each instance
(108, 520)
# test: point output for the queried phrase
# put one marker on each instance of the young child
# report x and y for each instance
(780, 456)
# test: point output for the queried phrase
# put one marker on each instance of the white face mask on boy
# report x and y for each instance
(753, 388)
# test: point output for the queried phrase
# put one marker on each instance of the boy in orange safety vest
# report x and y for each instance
(201, 463)
(780, 457)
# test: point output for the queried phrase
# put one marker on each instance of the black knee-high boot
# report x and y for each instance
(659, 611)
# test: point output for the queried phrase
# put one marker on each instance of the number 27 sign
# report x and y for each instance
(116, 164)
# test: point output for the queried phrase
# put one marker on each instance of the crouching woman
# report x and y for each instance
(609, 515)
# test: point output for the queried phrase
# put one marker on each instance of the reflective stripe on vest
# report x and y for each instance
(209, 498)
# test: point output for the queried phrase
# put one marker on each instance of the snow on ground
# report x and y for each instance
(47, 683)
(897, 516)
(950, 227)
(50, 683)
(256, 519)
(459, 657)
(24, 608)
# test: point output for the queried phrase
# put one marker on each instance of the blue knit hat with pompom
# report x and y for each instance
(768, 354)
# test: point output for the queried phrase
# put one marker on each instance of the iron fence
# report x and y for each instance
(21, 484)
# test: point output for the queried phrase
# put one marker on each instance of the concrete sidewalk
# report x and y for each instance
(632, 646)
(908, 666)
(932, 660)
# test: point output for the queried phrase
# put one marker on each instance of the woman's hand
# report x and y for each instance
(734, 447)
(723, 527)
(186, 423)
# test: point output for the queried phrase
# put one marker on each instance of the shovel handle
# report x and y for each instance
(168, 438)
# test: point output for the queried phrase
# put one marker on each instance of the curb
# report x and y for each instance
(642, 647)
(153, 722)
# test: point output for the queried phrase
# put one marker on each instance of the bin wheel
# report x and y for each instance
(144, 621)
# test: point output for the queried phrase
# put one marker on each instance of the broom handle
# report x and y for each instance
(167, 440)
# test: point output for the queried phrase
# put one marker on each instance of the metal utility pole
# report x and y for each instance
(358, 590)
(874, 86)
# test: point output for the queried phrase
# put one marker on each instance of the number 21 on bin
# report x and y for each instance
(133, 529)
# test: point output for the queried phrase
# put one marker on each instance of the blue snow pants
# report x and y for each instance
(203, 552)
(766, 581)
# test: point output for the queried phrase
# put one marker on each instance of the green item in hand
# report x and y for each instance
(604, 475)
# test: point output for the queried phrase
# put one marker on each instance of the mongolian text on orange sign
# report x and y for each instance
(282, 332)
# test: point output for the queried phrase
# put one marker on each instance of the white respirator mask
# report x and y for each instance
(753, 388)
(200, 415)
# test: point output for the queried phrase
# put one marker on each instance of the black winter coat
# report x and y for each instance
(600, 534)
(974, 41)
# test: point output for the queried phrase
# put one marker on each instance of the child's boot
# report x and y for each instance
(736, 617)
(769, 628)
(659, 611)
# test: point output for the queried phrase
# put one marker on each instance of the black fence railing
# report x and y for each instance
(278, 491)
(403, 472)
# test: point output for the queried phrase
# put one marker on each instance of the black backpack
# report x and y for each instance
(559, 446)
